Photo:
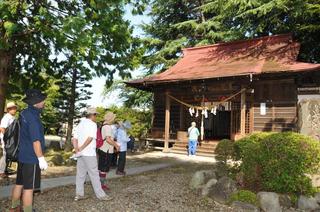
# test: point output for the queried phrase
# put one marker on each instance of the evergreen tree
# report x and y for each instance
(181, 23)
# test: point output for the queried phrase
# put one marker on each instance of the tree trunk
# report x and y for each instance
(203, 19)
(5, 64)
(71, 114)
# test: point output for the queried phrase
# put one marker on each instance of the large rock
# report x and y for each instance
(285, 201)
(223, 189)
(222, 170)
(210, 184)
(317, 197)
(244, 207)
(200, 178)
(269, 201)
(308, 203)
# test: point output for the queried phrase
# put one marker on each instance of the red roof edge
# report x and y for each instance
(287, 36)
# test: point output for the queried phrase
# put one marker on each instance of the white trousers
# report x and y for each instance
(88, 165)
(3, 161)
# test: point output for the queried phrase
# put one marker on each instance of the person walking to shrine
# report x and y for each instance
(84, 143)
(193, 134)
(122, 140)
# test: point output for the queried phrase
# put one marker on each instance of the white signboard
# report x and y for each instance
(263, 108)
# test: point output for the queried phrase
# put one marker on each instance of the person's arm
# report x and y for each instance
(123, 137)
(37, 148)
(112, 142)
(107, 132)
(36, 134)
(75, 145)
(86, 143)
(3, 124)
(38, 151)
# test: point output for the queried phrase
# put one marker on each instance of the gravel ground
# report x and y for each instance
(162, 190)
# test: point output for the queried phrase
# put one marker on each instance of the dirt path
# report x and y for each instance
(163, 190)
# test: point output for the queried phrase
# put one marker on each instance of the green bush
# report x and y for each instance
(278, 162)
(244, 196)
(224, 150)
(240, 146)
(286, 159)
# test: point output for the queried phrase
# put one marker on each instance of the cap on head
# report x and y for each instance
(126, 125)
(91, 110)
(193, 124)
(34, 96)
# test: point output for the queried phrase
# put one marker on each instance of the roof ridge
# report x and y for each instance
(289, 35)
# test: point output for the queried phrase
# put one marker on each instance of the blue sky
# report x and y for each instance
(98, 83)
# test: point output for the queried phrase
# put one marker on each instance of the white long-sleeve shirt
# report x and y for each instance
(122, 139)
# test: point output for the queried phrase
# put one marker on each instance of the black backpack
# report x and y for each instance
(11, 138)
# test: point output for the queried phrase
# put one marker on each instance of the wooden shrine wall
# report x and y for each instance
(280, 97)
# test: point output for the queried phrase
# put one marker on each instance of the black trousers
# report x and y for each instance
(122, 161)
(114, 160)
(29, 176)
(104, 161)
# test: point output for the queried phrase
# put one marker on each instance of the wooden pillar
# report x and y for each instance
(167, 124)
(251, 114)
(182, 118)
(243, 114)
(202, 128)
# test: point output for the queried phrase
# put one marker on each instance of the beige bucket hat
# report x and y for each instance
(109, 118)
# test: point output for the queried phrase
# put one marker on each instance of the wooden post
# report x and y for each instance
(182, 118)
(243, 114)
(202, 128)
(251, 114)
(167, 124)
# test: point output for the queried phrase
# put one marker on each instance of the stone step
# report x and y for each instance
(203, 150)
(207, 145)
(198, 153)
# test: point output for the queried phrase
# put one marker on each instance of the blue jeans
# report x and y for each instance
(192, 147)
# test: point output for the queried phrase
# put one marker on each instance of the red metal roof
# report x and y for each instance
(271, 54)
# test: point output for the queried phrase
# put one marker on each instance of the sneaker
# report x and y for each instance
(120, 173)
(105, 187)
(106, 198)
(78, 197)
(3, 176)
(16, 209)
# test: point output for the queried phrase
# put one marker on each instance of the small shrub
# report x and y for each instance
(224, 150)
(244, 196)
